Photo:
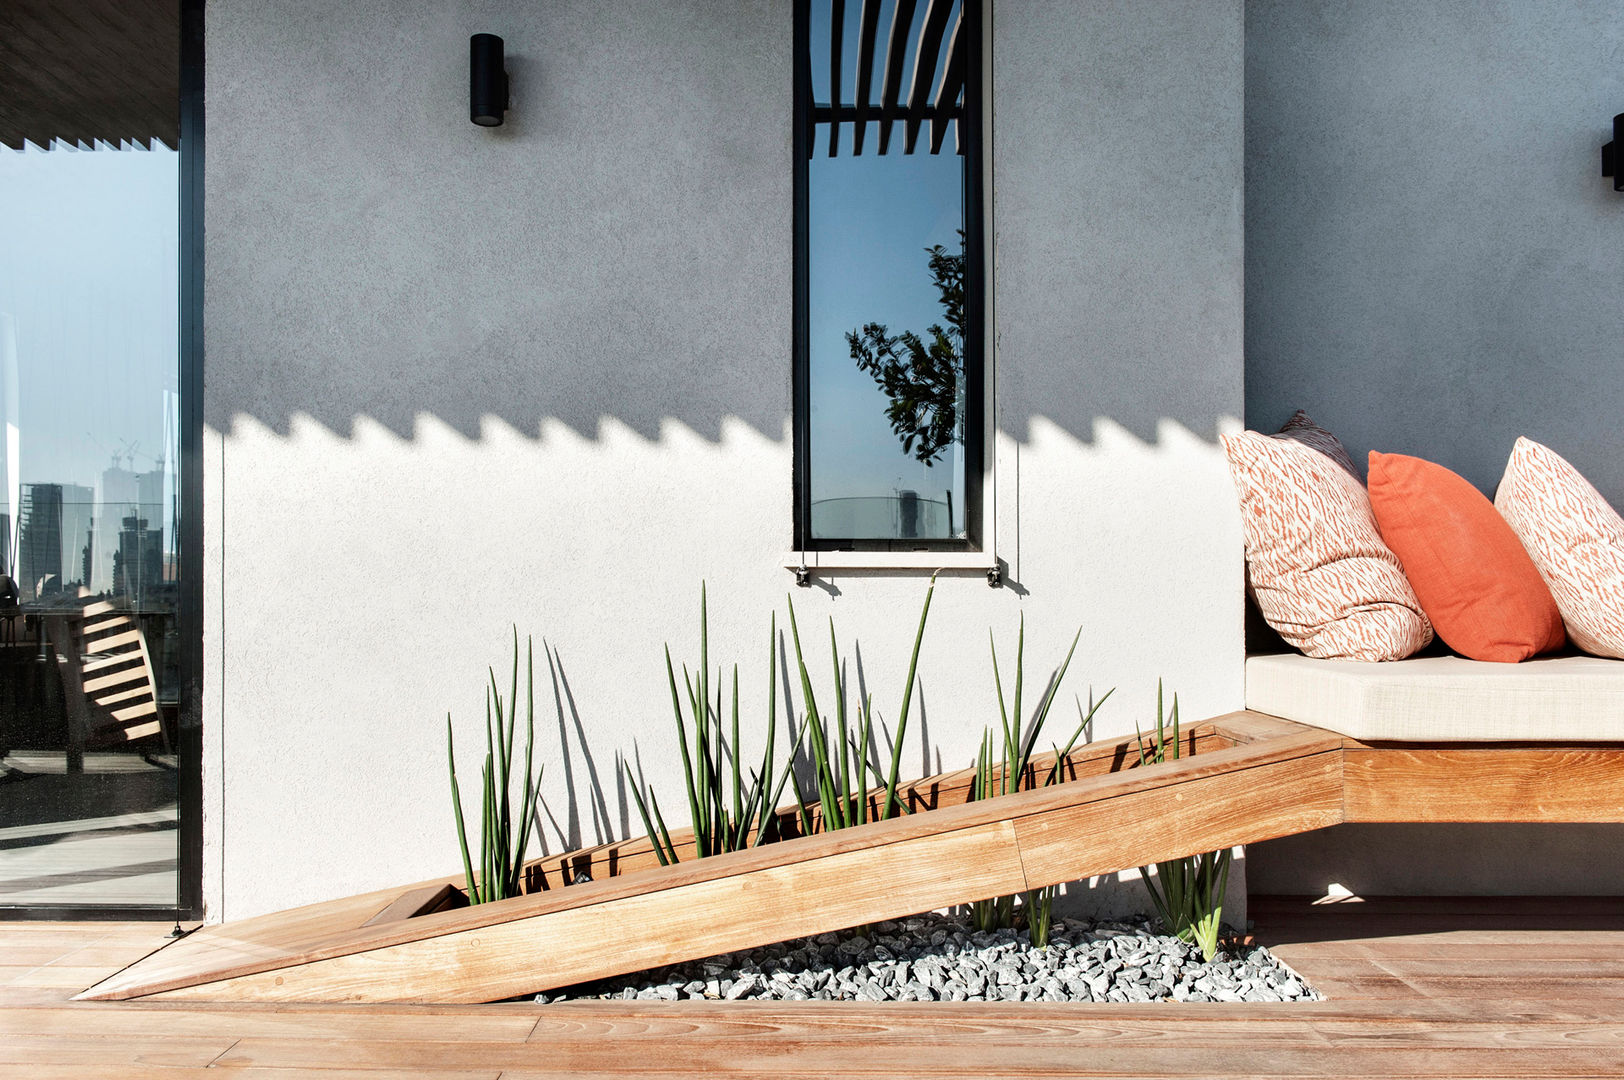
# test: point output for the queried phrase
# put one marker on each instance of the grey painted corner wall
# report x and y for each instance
(1433, 259)
(459, 379)
(1433, 267)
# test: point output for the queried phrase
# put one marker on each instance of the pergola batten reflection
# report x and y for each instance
(929, 99)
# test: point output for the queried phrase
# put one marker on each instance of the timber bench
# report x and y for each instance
(1445, 739)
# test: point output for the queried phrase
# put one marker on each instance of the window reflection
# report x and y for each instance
(886, 427)
(89, 516)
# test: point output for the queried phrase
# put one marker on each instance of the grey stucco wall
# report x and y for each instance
(1433, 267)
(458, 379)
(1433, 259)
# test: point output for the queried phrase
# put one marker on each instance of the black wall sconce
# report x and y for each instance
(1610, 164)
(487, 80)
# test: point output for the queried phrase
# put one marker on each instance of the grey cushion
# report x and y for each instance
(1445, 698)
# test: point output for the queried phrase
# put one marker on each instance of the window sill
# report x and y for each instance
(891, 560)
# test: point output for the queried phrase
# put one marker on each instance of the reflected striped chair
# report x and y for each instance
(120, 691)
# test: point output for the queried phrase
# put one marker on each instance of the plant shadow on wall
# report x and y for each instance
(830, 769)
(509, 821)
(605, 826)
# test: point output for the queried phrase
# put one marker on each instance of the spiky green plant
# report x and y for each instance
(501, 848)
(727, 813)
(1009, 769)
(841, 769)
(1190, 900)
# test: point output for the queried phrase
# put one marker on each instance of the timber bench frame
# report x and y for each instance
(1246, 777)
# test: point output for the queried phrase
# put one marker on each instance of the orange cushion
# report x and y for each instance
(1473, 577)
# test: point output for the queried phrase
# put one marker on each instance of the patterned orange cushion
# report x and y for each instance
(1575, 539)
(1318, 568)
(1474, 580)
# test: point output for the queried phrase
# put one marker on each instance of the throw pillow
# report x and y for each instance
(1301, 428)
(1477, 585)
(1575, 539)
(1316, 562)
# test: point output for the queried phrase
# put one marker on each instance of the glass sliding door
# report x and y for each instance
(91, 645)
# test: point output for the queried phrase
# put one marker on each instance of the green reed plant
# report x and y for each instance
(503, 837)
(841, 767)
(1190, 900)
(727, 813)
(1008, 769)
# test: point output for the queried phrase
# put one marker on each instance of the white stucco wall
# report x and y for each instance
(459, 379)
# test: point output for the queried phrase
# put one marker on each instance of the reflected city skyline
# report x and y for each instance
(88, 372)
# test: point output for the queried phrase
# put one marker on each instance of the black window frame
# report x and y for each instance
(970, 134)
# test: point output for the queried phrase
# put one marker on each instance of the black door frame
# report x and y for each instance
(189, 886)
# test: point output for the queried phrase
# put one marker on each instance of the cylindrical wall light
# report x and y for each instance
(487, 80)
(1611, 153)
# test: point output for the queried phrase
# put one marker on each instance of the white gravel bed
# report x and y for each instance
(940, 958)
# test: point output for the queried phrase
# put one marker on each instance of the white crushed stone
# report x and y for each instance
(940, 958)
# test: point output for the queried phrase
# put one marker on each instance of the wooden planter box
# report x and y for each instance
(1242, 778)
(635, 854)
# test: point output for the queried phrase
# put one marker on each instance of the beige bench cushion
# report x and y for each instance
(1445, 698)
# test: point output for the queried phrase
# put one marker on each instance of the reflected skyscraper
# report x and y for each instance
(138, 564)
(124, 493)
(40, 540)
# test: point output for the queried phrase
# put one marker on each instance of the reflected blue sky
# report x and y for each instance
(89, 280)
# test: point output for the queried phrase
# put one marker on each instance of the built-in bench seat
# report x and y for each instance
(1562, 699)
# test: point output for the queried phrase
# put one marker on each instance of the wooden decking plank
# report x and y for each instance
(136, 1021)
(60, 976)
(1571, 946)
(1519, 909)
(1395, 985)
(1515, 966)
(101, 1050)
(1485, 928)
(890, 1052)
(34, 1071)
(31, 956)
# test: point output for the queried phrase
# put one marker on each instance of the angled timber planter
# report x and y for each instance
(1249, 778)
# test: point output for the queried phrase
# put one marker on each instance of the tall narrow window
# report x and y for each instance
(889, 278)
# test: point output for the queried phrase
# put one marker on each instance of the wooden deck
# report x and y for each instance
(1430, 987)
